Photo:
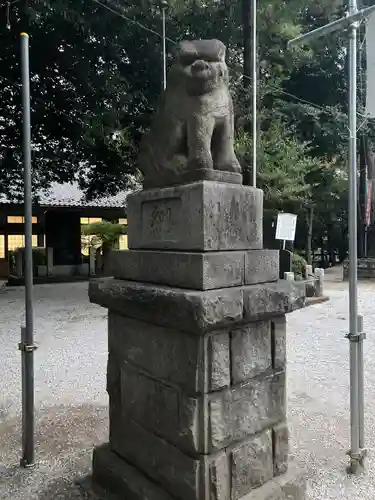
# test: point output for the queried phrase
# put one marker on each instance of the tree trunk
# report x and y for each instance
(246, 22)
(107, 250)
(98, 262)
(309, 218)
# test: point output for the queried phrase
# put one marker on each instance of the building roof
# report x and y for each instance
(70, 195)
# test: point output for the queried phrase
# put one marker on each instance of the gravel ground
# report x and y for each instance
(71, 402)
(70, 397)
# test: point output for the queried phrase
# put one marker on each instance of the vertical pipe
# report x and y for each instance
(27, 340)
(353, 303)
(255, 88)
(361, 405)
(164, 52)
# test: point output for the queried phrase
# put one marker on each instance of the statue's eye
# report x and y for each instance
(188, 59)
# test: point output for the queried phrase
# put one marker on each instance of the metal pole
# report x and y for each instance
(255, 88)
(361, 405)
(164, 51)
(357, 451)
(353, 302)
(27, 342)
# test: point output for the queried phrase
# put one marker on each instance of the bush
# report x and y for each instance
(103, 233)
(298, 264)
(39, 258)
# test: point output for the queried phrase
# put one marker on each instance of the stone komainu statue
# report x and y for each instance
(192, 130)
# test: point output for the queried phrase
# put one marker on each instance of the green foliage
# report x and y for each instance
(283, 166)
(39, 258)
(298, 264)
(96, 79)
(103, 233)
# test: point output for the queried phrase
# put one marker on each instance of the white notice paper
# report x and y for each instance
(286, 226)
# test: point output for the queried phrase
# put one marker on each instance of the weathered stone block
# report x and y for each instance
(289, 486)
(181, 475)
(164, 353)
(261, 266)
(278, 335)
(202, 216)
(251, 350)
(280, 443)
(195, 364)
(269, 491)
(218, 361)
(117, 477)
(196, 311)
(162, 409)
(186, 310)
(292, 484)
(241, 411)
(164, 463)
(218, 483)
(194, 270)
(271, 299)
(202, 424)
(252, 464)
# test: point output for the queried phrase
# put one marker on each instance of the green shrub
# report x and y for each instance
(103, 233)
(39, 257)
(298, 264)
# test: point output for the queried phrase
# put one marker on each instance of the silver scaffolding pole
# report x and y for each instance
(254, 60)
(164, 5)
(26, 345)
(356, 336)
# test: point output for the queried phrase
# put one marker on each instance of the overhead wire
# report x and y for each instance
(111, 8)
(137, 23)
(274, 87)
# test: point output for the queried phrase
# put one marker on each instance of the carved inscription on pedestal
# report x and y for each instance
(160, 220)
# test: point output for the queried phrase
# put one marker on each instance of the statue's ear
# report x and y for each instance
(221, 49)
(185, 48)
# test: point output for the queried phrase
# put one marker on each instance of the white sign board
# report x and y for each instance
(286, 226)
(370, 70)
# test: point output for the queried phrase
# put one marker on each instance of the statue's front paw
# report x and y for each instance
(200, 164)
(229, 166)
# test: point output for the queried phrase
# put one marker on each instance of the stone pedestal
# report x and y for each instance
(196, 368)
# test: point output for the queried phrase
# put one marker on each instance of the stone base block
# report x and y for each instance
(195, 364)
(118, 478)
(197, 270)
(197, 311)
(203, 216)
(115, 478)
(289, 486)
(201, 425)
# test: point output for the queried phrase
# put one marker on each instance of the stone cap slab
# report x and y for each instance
(202, 216)
(196, 270)
(193, 176)
(196, 311)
